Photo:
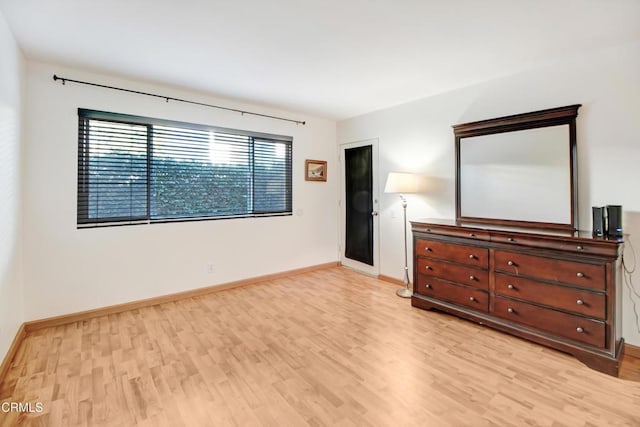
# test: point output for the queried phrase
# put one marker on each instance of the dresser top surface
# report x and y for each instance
(579, 235)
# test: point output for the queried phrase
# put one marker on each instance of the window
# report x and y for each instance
(136, 169)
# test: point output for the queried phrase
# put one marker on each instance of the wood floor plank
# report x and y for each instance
(327, 347)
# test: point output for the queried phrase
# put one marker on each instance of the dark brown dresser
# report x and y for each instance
(559, 289)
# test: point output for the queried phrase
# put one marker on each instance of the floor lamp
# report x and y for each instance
(403, 183)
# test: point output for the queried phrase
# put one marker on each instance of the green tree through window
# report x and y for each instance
(134, 169)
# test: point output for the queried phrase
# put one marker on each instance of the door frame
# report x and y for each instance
(371, 270)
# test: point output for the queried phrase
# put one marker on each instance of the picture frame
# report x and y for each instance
(315, 170)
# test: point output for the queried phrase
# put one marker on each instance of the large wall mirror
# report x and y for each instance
(518, 170)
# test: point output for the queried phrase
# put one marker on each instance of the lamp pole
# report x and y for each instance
(405, 292)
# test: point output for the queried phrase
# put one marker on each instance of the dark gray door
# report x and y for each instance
(359, 204)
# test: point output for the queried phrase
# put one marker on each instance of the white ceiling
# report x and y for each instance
(333, 58)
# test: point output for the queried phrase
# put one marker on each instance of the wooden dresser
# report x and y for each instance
(558, 289)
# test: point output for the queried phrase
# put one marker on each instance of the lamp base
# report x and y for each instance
(404, 293)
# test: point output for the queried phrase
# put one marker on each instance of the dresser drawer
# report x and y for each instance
(468, 233)
(562, 297)
(461, 295)
(464, 254)
(454, 272)
(575, 273)
(577, 328)
(572, 245)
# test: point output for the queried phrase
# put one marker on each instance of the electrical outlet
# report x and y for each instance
(210, 268)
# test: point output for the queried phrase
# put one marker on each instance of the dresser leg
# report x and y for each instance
(421, 303)
(604, 364)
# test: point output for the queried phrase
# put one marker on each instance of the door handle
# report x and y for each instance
(374, 213)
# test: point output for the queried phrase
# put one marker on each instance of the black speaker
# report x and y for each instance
(599, 222)
(614, 220)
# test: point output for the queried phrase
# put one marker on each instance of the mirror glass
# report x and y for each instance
(519, 171)
(522, 175)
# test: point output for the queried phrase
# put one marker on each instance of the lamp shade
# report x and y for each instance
(402, 182)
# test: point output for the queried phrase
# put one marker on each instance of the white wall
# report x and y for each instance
(417, 137)
(11, 278)
(68, 270)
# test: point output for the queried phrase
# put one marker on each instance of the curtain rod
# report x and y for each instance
(170, 98)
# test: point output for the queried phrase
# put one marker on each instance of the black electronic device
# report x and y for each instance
(599, 221)
(614, 220)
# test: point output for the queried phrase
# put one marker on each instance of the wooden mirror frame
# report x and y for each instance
(537, 119)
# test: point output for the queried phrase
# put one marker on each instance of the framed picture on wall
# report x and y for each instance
(315, 170)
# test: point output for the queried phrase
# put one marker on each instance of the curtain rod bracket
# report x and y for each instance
(56, 78)
(167, 98)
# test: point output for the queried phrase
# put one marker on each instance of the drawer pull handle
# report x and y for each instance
(510, 286)
(579, 330)
(472, 235)
(472, 277)
(472, 299)
(511, 263)
(428, 286)
(472, 256)
(579, 248)
(580, 274)
(428, 249)
(510, 239)
(428, 230)
(580, 302)
(510, 310)
(427, 267)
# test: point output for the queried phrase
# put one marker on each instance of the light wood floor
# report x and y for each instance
(330, 347)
